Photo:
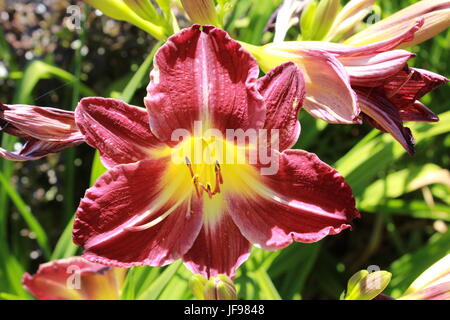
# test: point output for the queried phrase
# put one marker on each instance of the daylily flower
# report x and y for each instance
(374, 77)
(149, 209)
(46, 130)
(436, 15)
(75, 279)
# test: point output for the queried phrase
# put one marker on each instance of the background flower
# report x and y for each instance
(75, 279)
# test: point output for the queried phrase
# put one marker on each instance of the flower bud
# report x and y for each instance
(45, 130)
(201, 11)
(307, 20)
(326, 13)
(145, 9)
(366, 286)
(220, 288)
(136, 12)
(349, 17)
(197, 284)
(436, 16)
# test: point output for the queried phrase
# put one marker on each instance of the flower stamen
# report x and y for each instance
(199, 186)
(188, 163)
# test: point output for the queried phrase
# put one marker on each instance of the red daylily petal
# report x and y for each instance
(439, 291)
(411, 84)
(119, 131)
(344, 50)
(384, 115)
(112, 219)
(404, 35)
(308, 201)
(220, 248)
(417, 112)
(15, 156)
(35, 149)
(372, 70)
(46, 130)
(202, 74)
(329, 95)
(283, 89)
(46, 124)
(55, 280)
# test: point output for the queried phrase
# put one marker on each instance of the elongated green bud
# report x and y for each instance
(197, 285)
(307, 20)
(326, 13)
(201, 11)
(145, 9)
(120, 10)
(349, 17)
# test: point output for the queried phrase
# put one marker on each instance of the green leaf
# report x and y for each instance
(138, 280)
(30, 220)
(415, 209)
(157, 287)
(178, 287)
(97, 168)
(9, 296)
(38, 70)
(376, 151)
(299, 269)
(398, 183)
(13, 272)
(255, 285)
(143, 72)
(65, 247)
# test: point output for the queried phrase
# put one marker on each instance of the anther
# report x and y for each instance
(218, 172)
(189, 165)
(208, 189)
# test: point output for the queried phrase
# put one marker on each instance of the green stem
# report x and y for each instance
(69, 176)
(138, 77)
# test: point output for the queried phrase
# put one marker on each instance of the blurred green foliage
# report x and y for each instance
(404, 200)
